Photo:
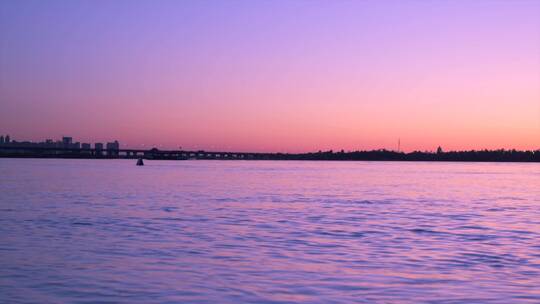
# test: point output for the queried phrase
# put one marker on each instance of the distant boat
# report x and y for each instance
(140, 162)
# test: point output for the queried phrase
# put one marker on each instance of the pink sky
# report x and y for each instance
(273, 76)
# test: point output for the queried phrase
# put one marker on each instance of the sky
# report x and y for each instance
(288, 76)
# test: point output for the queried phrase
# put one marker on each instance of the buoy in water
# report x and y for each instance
(140, 162)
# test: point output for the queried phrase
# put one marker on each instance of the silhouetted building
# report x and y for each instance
(1, 139)
(113, 145)
(66, 142)
(112, 148)
(439, 150)
(86, 146)
(49, 143)
(99, 148)
(7, 139)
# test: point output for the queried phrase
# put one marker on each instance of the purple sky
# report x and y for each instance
(273, 75)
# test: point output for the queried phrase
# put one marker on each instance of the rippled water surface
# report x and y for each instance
(86, 231)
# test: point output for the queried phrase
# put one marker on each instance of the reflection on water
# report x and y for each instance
(269, 232)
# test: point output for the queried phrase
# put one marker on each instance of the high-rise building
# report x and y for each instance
(86, 146)
(7, 140)
(112, 148)
(66, 142)
(113, 145)
(1, 139)
(99, 148)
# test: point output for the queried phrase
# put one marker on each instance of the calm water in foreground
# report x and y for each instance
(86, 231)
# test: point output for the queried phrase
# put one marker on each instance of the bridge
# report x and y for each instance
(48, 152)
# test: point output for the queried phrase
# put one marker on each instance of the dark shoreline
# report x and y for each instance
(375, 155)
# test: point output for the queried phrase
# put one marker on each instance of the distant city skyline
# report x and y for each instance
(65, 142)
(273, 76)
(68, 148)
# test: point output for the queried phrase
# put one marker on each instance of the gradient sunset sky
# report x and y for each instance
(285, 76)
